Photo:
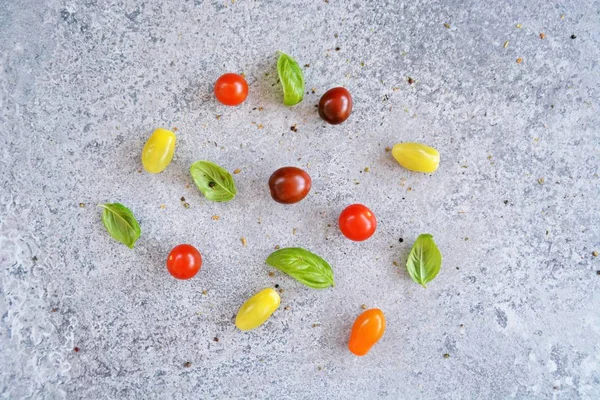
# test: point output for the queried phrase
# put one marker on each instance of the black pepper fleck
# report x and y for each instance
(212, 184)
(187, 364)
(337, 49)
(216, 339)
(401, 240)
(76, 349)
(573, 36)
(276, 286)
(446, 355)
(182, 198)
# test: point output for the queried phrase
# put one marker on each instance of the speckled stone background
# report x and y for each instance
(514, 206)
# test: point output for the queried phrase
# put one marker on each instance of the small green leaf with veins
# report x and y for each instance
(120, 223)
(215, 183)
(424, 260)
(291, 78)
(304, 266)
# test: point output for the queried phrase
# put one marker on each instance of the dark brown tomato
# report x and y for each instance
(335, 105)
(289, 185)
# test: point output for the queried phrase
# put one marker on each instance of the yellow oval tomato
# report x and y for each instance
(366, 331)
(158, 151)
(416, 157)
(257, 309)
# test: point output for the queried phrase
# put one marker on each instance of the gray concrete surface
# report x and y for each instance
(514, 206)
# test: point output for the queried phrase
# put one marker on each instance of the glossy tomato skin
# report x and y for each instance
(289, 185)
(257, 309)
(335, 105)
(366, 331)
(158, 150)
(416, 157)
(231, 89)
(357, 222)
(184, 261)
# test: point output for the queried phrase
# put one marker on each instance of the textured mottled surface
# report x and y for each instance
(514, 206)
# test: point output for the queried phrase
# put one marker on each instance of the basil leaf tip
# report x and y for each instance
(120, 223)
(291, 78)
(304, 266)
(215, 183)
(424, 261)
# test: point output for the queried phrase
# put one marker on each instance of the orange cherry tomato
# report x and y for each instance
(231, 89)
(366, 331)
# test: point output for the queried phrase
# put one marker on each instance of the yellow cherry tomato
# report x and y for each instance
(257, 309)
(158, 151)
(416, 157)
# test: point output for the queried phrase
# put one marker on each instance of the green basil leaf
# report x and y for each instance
(215, 183)
(120, 223)
(424, 260)
(304, 266)
(291, 78)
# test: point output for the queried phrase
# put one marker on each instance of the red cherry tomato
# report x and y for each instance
(335, 105)
(366, 331)
(289, 185)
(357, 222)
(184, 261)
(231, 89)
